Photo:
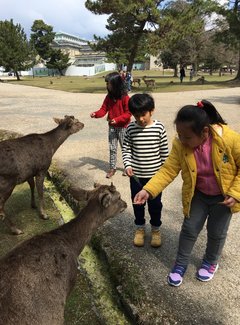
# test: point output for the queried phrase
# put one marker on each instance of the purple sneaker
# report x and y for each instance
(175, 277)
(206, 271)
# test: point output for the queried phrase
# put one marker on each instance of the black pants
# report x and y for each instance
(154, 206)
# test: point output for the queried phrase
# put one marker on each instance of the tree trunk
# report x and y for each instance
(238, 73)
(175, 71)
(132, 55)
(134, 49)
(17, 75)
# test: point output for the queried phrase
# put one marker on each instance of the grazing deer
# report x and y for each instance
(136, 80)
(30, 156)
(149, 83)
(37, 276)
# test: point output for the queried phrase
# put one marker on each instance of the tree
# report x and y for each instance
(58, 60)
(229, 29)
(16, 53)
(41, 38)
(184, 41)
(130, 23)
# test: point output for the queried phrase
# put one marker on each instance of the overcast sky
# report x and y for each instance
(68, 16)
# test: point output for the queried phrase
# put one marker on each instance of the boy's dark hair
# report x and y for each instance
(198, 116)
(141, 103)
(118, 85)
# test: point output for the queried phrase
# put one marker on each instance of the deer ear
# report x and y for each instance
(57, 120)
(79, 194)
(105, 199)
(112, 188)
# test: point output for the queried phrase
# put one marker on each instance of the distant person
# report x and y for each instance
(122, 74)
(207, 152)
(115, 105)
(128, 80)
(191, 74)
(145, 148)
(182, 74)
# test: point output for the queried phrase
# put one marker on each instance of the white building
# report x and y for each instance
(84, 61)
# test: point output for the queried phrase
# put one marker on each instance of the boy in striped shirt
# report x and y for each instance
(145, 148)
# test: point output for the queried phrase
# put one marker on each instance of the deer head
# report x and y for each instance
(70, 123)
(104, 198)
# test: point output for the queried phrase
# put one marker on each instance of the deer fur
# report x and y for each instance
(149, 83)
(30, 156)
(136, 80)
(37, 276)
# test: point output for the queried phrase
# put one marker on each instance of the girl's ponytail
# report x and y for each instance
(198, 116)
(211, 111)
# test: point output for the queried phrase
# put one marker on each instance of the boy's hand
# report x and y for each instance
(129, 171)
(141, 197)
(93, 114)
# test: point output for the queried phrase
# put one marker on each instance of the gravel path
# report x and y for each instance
(84, 156)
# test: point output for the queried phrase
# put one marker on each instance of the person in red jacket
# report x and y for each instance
(115, 105)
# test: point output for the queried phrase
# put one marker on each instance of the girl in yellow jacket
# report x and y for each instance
(207, 152)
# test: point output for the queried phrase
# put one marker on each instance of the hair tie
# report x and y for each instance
(200, 104)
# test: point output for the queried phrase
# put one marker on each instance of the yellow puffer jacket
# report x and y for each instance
(226, 164)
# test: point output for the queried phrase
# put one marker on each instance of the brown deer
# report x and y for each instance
(149, 83)
(30, 156)
(136, 81)
(37, 276)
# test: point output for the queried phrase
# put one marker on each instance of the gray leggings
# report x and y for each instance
(114, 135)
(204, 207)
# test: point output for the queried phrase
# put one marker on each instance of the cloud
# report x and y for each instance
(68, 16)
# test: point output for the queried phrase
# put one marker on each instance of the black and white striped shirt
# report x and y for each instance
(145, 148)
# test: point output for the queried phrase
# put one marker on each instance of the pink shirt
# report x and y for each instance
(206, 180)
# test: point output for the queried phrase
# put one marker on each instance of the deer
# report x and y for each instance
(149, 83)
(136, 80)
(37, 276)
(28, 158)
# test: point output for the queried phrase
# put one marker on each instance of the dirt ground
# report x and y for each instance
(84, 157)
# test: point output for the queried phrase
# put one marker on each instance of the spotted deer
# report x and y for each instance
(37, 276)
(149, 83)
(28, 158)
(136, 81)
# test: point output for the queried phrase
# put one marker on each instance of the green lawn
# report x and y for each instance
(96, 84)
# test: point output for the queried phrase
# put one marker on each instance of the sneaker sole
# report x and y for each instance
(209, 279)
(173, 284)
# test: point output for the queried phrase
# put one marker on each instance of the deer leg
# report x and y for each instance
(39, 186)
(6, 189)
(32, 188)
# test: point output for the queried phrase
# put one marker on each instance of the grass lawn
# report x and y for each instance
(96, 84)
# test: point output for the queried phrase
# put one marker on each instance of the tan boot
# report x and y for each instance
(139, 237)
(156, 238)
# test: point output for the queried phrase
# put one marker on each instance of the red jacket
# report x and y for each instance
(117, 110)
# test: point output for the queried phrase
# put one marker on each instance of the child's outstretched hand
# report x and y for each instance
(141, 197)
(93, 114)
